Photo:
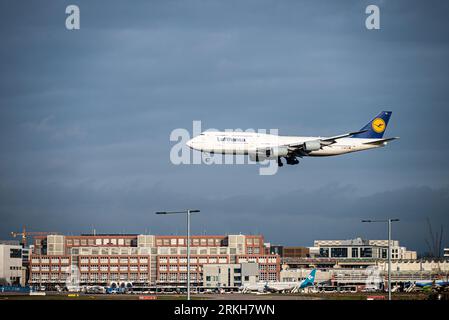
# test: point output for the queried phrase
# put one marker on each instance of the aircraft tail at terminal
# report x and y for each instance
(283, 286)
(309, 280)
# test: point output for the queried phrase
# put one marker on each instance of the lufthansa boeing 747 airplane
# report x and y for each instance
(261, 146)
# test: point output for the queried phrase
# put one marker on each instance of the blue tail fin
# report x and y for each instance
(375, 128)
(309, 280)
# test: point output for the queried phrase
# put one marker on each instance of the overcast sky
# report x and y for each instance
(85, 116)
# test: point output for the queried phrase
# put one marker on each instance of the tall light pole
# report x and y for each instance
(389, 250)
(187, 212)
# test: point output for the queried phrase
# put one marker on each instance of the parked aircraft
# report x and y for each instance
(263, 287)
(435, 283)
(292, 286)
(259, 287)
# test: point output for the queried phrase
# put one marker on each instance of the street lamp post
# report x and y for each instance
(187, 212)
(389, 250)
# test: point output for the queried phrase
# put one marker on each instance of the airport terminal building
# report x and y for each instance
(359, 248)
(149, 260)
(217, 261)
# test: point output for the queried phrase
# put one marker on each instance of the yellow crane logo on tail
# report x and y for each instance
(378, 125)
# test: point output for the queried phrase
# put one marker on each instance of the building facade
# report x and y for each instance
(295, 252)
(230, 275)
(360, 249)
(12, 271)
(143, 260)
(402, 271)
(289, 251)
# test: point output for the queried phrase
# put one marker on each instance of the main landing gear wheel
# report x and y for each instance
(280, 164)
(292, 160)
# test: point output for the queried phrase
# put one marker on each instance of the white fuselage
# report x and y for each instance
(247, 142)
(272, 286)
(283, 286)
(257, 287)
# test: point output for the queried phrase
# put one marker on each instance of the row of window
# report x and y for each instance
(15, 268)
(216, 279)
(15, 253)
(271, 267)
(257, 259)
(183, 260)
(357, 252)
(179, 276)
(47, 260)
(92, 268)
(106, 260)
(46, 276)
(268, 277)
(252, 241)
(47, 268)
(102, 260)
(193, 241)
(100, 241)
(112, 250)
(195, 251)
(114, 268)
(180, 268)
(251, 250)
(90, 276)
(159, 242)
(113, 276)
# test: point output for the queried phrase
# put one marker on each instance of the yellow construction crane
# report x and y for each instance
(24, 234)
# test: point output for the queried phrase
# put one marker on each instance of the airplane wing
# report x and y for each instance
(326, 141)
(334, 138)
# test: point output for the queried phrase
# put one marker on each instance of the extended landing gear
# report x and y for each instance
(292, 160)
(208, 156)
(280, 164)
(289, 160)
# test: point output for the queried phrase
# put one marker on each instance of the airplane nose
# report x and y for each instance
(189, 143)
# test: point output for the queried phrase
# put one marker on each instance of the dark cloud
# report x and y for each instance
(299, 215)
(85, 116)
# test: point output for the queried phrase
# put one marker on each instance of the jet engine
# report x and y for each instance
(276, 152)
(314, 145)
(268, 153)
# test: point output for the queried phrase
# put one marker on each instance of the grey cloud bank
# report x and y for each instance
(85, 116)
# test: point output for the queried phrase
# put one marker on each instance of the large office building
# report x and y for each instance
(359, 248)
(402, 272)
(145, 260)
(230, 275)
(12, 271)
(446, 253)
(353, 253)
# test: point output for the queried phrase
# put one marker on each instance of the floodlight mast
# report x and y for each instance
(389, 249)
(187, 212)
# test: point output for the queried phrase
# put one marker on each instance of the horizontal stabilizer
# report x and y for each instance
(381, 141)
